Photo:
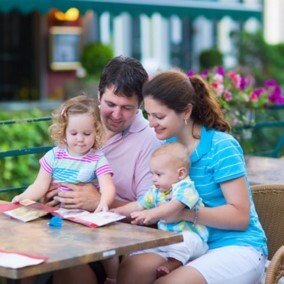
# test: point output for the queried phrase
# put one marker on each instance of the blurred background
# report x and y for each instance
(43, 42)
(50, 50)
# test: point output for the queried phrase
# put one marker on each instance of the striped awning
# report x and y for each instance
(182, 8)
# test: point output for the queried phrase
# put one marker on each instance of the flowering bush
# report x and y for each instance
(237, 94)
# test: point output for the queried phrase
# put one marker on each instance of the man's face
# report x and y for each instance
(117, 111)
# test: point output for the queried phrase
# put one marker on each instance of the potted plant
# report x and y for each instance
(94, 57)
(210, 58)
(238, 96)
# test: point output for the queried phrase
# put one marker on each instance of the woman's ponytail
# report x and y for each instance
(206, 109)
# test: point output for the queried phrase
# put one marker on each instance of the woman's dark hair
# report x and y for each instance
(126, 74)
(175, 90)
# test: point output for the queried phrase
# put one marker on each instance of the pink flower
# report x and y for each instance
(253, 97)
(257, 92)
(190, 73)
(228, 95)
(220, 70)
(204, 74)
(219, 88)
(236, 78)
(218, 78)
(236, 93)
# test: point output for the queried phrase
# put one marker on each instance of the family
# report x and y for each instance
(180, 168)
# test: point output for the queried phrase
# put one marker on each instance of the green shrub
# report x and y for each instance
(265, 61)
(210, 58)
(21, 170)
(94, 58)
(264, 139)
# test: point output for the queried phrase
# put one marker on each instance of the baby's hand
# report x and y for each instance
(145, 217)
(139, 217)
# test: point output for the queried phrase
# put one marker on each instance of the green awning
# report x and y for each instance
(182, 8)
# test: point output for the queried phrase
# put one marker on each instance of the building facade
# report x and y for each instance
(37, 58)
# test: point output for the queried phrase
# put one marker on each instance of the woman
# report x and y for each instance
(184, 108)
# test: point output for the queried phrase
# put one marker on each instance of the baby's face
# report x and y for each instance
(164, 172)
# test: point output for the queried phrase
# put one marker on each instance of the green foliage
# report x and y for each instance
(21, 170)
(263, 60)
(210, 58)
(263, 140)
(94, 58)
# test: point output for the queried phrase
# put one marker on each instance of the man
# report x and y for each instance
(129, 141)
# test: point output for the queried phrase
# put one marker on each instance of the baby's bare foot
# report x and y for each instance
(162, 271)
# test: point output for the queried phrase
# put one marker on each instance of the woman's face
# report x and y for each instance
(165, 121)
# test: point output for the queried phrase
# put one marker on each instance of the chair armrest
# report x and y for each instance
(275, 269)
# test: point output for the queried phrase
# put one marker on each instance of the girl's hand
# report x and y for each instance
(16, 199)
(102, 207)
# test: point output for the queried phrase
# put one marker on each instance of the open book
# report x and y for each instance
(27, 210)
(87, 218)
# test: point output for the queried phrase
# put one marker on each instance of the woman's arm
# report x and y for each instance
(234, 214)
(37, 189)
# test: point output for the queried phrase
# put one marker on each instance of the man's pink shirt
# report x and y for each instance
(128, 154)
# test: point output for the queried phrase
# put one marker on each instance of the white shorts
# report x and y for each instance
(191, 248)
(231, 264)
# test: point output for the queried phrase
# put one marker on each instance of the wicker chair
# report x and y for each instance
(269, 203)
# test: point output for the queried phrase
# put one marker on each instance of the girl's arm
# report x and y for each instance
(37, 189)
(107, 190)
(234, 215)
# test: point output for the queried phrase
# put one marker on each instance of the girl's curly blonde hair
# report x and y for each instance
(81, 104)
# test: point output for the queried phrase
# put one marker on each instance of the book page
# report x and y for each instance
(27, 210)
(25, 213)
(88, 218)
(17, 260)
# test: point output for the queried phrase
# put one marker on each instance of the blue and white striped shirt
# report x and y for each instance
(219, 158)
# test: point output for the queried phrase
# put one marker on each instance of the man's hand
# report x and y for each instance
(48, 199)
(84, 196)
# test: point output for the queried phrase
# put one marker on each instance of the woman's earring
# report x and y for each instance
(185, 121)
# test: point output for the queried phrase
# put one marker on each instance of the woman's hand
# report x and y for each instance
(83, 196)
(183, 214)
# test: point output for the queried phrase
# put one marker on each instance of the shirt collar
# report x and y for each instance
(204, 144)
(137, 125)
